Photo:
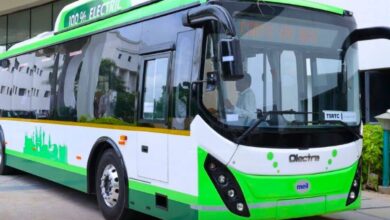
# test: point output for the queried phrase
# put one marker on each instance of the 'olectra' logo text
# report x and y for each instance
(295, 158)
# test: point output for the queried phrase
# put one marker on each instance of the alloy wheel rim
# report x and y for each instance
(109, 185)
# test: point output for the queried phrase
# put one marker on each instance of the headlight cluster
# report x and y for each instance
(355, 188)
(227, 186)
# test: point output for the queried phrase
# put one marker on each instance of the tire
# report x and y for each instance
(4, 170)
(111, 187)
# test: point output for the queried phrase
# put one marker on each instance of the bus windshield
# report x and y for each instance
(295, 74)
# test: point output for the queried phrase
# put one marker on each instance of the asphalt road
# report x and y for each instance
(23, 196)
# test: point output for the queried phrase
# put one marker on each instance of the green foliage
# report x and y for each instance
(125, 107)
(372, 150)
(83, 118)
(108, 121)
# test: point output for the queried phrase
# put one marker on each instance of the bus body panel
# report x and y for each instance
(272, 161)
(189, 189)
(211, 141)
(67, 148)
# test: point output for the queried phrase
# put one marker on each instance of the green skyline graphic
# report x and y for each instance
(40, 144)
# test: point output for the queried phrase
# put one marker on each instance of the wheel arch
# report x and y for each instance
(101, 145)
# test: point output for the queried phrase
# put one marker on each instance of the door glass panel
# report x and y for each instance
(155, 89)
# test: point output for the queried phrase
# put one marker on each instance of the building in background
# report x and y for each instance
(24, 19)
(374, 56)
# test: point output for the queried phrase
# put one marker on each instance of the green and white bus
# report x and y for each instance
(191, 109)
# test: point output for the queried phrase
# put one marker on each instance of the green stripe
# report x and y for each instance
(173, 195)
(61, 176)
(54, 164)
(310, 4)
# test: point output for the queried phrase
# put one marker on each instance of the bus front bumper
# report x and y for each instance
(277, 197)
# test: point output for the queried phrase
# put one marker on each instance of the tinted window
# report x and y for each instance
(3, 33)
(181, 79)
(43, 80)
(153, 35)
(116, 79)
(41, 19)
(6, 89)
(19, 26)
(22, 85)
(66, 75)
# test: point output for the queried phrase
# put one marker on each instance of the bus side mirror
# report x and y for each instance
(5, 63)
(229, 48)
(230, 58)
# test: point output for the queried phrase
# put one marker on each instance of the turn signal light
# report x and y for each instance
(355, 188)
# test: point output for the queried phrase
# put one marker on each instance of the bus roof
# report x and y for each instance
(310, 4)
(85, 17)
(85, 11)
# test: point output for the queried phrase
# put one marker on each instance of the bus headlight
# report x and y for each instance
(231, 193)
(221, 179)
(227, 186)
(355, 187)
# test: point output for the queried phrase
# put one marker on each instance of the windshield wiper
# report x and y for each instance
(262, 116)
(251, 128)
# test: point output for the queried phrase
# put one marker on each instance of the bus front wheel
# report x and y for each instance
(111, 187)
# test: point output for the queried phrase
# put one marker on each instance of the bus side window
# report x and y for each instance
(181, 79)
(155, 89)
(44, 83)
(66, 91)
(22, 83)
(115, 93)
(6, 76)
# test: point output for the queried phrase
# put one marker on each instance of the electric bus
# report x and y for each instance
(191, 109)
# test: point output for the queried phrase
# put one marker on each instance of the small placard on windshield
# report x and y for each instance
(347, 117)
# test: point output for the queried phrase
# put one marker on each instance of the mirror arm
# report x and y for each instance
(200, 15)
(365, 34)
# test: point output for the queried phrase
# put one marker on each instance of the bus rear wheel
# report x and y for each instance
(111, 187)
(4, 170)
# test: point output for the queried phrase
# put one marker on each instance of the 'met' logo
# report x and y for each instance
(302, 186)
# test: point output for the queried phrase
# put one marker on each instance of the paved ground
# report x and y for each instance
(26, 197)
(375, 206)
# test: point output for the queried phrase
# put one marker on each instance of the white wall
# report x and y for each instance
(373, 54)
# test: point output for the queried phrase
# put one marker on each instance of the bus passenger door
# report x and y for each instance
(152, 152)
